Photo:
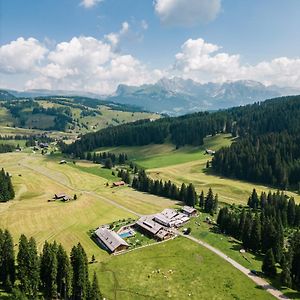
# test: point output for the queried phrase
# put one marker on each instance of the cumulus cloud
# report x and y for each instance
(187, 13)
(21, 55)
(114, 37)
(201, 61)
(95, 65)
(204, 62)
(81, 64)
(89, 3)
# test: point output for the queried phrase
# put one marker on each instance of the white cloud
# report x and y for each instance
(21, 55)
(88, 64)
(114, 37)
(201, 61)
(205, 62)
(89, 3)
(187, 13)
(94, 65)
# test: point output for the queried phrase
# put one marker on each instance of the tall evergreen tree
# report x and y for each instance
(64, 274)
(7, 259)
(80, 281)
(201, 200)
(268, 266)
(209, 202)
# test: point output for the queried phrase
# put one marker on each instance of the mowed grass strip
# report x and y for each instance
(156, 156)
(177, 269)
(67, 223)
(229, 190)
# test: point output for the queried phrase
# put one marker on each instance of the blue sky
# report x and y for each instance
(222, 40)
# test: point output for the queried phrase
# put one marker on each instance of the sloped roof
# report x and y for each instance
(169, 213)
(110, 239)
(162, 219)
(189, 209)
(147, 223)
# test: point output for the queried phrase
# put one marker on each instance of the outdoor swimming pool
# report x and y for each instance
(126, 234)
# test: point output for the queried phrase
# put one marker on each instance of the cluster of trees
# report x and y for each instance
(261, 227)
(4, 148)
(6, 188)
(16, 137)
(124, 175)
(209, 203)
(32, 139)
(272, 158)
(52, 273)
(187, 194)
(107, 158)
(190, 129)
(268, 149)
(21, 110)
(137, 133)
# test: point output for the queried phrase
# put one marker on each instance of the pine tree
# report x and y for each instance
(285, 276)
(95, 293)
(64, 274)
(183, 193)
(108, 163)
(215, 204)
(246, 238)
(255, 237)
(22, 259)
(80, 280)
(7, 260)
(191, 196)
(268, 266)
(201, 200)
(33, 268)
(48, 270)
(209, 201)
(291, 212)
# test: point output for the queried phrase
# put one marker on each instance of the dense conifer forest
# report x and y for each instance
(6, 188)
(270, 225)
(53, 273)
(4, 148)
(267, 147)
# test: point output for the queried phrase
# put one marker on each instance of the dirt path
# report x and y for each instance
(43, 172)
(258, 280)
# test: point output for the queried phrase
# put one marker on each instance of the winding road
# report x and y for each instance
(258, 280)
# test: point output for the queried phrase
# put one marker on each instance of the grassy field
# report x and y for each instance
(231, 247)
(128, 276)
(188, 165)
(68, 223)
(164, 155)
(177, 269)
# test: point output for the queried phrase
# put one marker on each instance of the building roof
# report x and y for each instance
(160, 218)
(118, 183)
(189, 209)
(169, 213)
(162, 234)
(60, 195)
(147, 223)
(110, 239)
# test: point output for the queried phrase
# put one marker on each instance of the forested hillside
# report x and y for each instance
(267, 148)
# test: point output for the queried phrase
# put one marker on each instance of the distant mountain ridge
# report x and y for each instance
(177, 96)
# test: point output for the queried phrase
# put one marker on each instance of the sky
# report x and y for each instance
(95, 45)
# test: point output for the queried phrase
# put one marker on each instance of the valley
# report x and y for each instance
(37, 178)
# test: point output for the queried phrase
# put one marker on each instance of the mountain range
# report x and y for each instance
(177, 96)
